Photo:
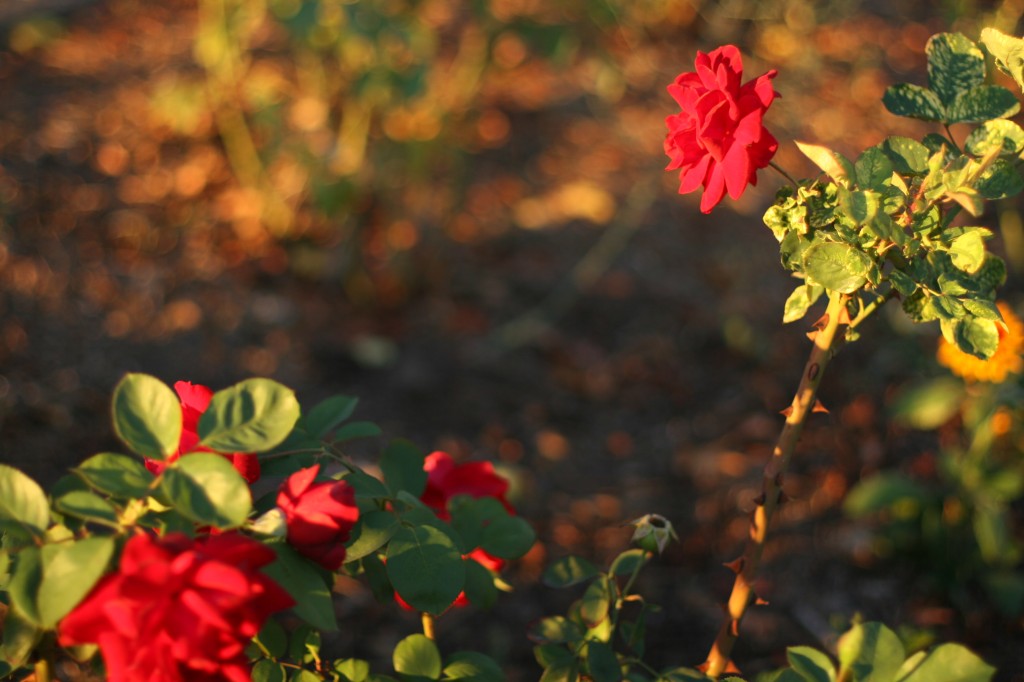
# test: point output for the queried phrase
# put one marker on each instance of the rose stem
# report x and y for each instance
(825, 340)
(428, 625)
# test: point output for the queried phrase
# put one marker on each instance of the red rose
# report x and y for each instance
(195, 398)
(446, 479)
(178, 609)
(319, 516)
(718, 140)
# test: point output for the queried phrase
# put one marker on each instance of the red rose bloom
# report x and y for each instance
(195, 398)
(319, 516)
(178, 609)
(446, 479)
(718, 140)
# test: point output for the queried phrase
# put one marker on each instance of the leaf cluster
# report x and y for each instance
(882, 226)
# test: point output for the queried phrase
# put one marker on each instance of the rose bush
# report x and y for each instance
(718, 141)
(179, 609)
(319, 516)
(195, 398)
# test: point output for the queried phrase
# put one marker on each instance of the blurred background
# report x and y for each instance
(457, 210)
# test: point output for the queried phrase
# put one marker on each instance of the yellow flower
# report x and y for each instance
(1007, 358)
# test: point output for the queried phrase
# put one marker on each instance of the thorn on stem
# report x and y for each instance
(819, 407)
(760, 602)
(786, 412)
(821, 323)
(736, 565)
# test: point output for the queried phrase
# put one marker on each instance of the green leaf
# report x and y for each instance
(417, 656)
(329, 415)
(471, 666)
(983, 103)
(1000, 180)
(147, 416)
(367, 487)
(371, 532)
(402, 466)
(89, 506)
(907, 155)
(1006, 136)
(307, 586)
(628, 562)
(480, 588)
(70, 571)
(251, 416)
(968, 251)
(206, 488)
(356, 430)
(305, 676)
(602, 663)
(19, 640)
(23, 501)
(834, 164)
(812, 664)
(913, 101)
(951, 663)
(862, 207)
(976, 336)
(23, 586)
(426, 568)
(568, 571)
(928, 405)
(554, 630)
(874, 169)
(886, 491)
(871, 652)
(117, 475)
(955, 65)
(561, 672)
(802, 298)
(596, 601)
(837, 267)
(272, 639)
(354, 669)
(508, 537)
(268, 671)
(1008, 52)
(902, 283)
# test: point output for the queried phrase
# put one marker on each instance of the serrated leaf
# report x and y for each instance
(813, 665)
(907, 155)
(417, 656)
(147, 416)
(1008, 52)
(913, 101)
(873, 168)
(426, 568)
(207, 489)
(117, 475)
(837, 267)
(834, 164)
(252, 416)
(871, 652)
(569, 570)
(983, 103)
(955, 65)
(22, 501)
(902, 283)
(951, 663)
(306, 585)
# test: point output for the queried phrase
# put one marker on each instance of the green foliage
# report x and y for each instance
(308, 585)
(252, 416)
(147, 416)
(23, 504)
(207, 489)
(426, 568)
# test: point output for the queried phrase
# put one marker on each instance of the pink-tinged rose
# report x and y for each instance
(446, 479)
(718, 141)
(195, 398)
(319, 516)
(179, 609)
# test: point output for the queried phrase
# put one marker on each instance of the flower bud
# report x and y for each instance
(653, 531)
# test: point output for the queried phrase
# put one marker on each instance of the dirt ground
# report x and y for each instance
(645, 379)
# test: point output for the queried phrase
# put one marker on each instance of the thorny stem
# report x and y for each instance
(825, 342)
